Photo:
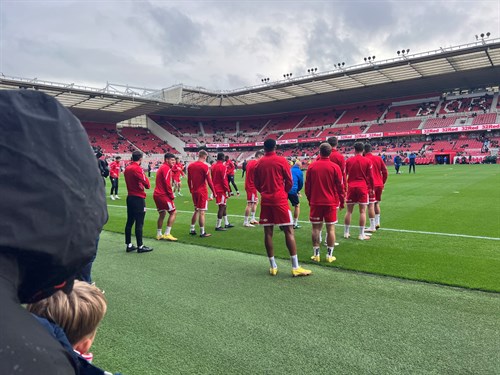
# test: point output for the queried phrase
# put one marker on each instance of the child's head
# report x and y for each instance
(77, 313)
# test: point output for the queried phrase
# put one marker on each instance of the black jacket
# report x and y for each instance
(52, 208)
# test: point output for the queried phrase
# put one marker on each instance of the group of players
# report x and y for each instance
(331, 184)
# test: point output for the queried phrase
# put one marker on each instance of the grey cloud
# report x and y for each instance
(272, 36)
(324, 48)
(177, 36)
(364, 16)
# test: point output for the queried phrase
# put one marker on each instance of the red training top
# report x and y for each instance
(164, 182)
(273, 179)
(379, 169)
(177, 170)
(114, 169)
(198, 177)
(324, 185)
(230, 167)
(359, 172)
(136, 180)
(250, 176)
(218, 171)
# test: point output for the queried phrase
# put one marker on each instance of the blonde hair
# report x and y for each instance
(78, 313)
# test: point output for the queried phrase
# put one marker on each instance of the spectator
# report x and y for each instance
(78, 314)
(59, 215)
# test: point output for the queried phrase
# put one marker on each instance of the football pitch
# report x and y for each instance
(197, 307)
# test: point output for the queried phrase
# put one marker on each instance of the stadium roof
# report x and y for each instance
(478, 55)
(470, 65)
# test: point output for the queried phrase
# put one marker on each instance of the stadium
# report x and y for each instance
(420, 297)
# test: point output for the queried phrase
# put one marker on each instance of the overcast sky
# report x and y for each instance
(222, 45)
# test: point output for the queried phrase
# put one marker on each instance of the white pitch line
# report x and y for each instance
(341, 225)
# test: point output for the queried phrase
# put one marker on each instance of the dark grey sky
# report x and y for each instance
(222, 44)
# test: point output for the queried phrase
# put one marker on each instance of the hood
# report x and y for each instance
(52, 200)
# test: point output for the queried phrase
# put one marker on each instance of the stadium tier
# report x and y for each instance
(433, 123)
(400, 126)
(486, 118)
(466, 104)
(362, 113)
(146, 142)
(107, 139)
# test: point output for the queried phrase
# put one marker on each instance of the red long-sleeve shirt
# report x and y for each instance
(164, 182)
(337, 158)
(230, 167)
(378, 168)
(198, 177)
(136, 180)
(114, 169)
(273, 179)
(178, 170)
(250, 176)
(359, 172)
(324, 185)
(219, 177)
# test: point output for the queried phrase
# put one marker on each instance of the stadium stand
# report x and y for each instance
(362, 113)
(466, 104)
(214, 127)
(347, 129)
(319, 119)
(486, 118)
(107, 139)
(287, 122)
(444, 122)
(395, 126)
(147, 142)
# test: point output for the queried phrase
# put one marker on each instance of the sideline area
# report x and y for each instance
(190, 309)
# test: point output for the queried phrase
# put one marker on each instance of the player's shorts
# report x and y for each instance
(371, 197)
(177, 179)
(220, 198)
(230, 177)
(294, 199)
(164, 203)
(200, 201)
(357, 195)
(275, 215)
(320, 214)
(252, 196)
(377, 194)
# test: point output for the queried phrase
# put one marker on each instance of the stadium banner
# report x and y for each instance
(306, 140)
(251, 144)
(191, 145)
(407, 132)
(360, 136)
(287, 142)
(217, 145)
(456, 129)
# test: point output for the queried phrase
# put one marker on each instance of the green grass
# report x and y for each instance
(196, 310)
(461, 200)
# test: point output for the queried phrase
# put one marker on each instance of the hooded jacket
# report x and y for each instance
(52, 208)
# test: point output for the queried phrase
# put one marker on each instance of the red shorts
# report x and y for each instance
(164, 203)
(177, 179)
(200, 201)
(318, 214)
(371, 197)
(220, 198)
(357, 195)
(378, 193)
(275, 215)
(252, 196)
